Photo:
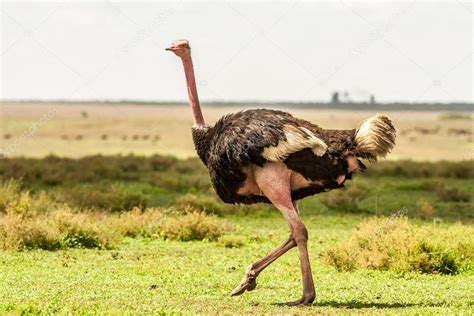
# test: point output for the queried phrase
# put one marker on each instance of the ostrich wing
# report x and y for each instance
(256, 136)
(296, 139)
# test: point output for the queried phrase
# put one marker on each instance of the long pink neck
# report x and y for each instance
(192, 91)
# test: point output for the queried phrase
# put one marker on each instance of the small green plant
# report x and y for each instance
(231, 241)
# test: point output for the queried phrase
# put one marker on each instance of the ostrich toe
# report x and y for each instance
(305, 300)
(248, 283)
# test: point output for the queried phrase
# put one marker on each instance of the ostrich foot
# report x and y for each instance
(305, 300)
(248, 283)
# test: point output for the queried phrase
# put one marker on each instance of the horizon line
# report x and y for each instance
(276, 102)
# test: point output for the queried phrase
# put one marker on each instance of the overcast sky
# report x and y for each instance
(411, 51)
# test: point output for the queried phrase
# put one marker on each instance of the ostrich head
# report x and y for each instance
(180, 48)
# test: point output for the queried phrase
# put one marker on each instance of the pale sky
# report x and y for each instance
(412, 51)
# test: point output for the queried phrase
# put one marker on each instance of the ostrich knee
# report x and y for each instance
(300, 233)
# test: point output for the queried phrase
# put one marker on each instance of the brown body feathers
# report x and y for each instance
(253, 137)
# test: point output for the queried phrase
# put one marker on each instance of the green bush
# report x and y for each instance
(396, 244)
(80, 239)
(231, 241)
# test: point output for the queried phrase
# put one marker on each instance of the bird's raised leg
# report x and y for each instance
(248, 282)
(273, 179)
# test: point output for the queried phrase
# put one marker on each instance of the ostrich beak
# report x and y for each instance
(170, 48)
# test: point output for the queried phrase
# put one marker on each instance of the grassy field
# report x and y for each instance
(107, 226)
(146, 269)
(156, 276)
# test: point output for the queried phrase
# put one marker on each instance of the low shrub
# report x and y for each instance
(452, 194)
(346, 199)
(424, 209)
(137, 222)
(66, 228)
(38, 222)
(9, 194)
(192, 226)
(231, 241)
(17, 232)
(13, 200)
(396, 244)
(203, 204)
(60, 228)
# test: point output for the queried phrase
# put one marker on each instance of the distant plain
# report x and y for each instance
(82, 129)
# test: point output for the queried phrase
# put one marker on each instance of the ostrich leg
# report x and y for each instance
(300, 234)
(248, 282)
(274, 181)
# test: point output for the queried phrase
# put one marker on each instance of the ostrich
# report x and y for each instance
(269, 156)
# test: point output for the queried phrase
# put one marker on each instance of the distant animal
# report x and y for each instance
(428, 131)
(269, 156)
(460, 131)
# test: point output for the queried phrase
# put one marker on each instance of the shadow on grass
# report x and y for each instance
(360, 305)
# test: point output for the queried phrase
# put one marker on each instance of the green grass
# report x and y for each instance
(196, 277)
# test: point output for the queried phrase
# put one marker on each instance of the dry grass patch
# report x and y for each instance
(61, 228)
(67, 228)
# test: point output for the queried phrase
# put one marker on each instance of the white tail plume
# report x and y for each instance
(375, 137)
